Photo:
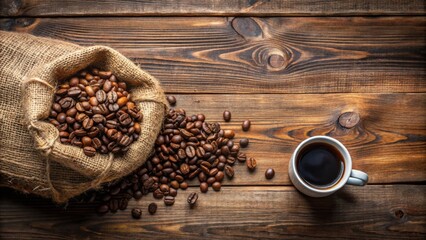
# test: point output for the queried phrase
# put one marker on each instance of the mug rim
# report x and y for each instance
(346, 158)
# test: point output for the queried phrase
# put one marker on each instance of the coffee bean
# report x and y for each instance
(66, 103)
(219, 176)
(171, 100)
(192, 199)
(89, 151)
(227, 116)
(107, 86)
(204, 187)
(93, 101)
(228, 134)
(122, 101)
(102, 209)
(183, 185)
(216, 186)
(111, 96)
(136, 213)
(101, 96)
(74, 91)
(244, 142)
(158, 194)
(172, 192)
(169, 200)
(246, 125)
(113, 107)
(229, 171)
(87, 123)
(242, 157)
(269, 173)
(125, 119)
(251, 164)
(190, 151)
(152, 208)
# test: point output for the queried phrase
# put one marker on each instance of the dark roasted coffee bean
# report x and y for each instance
(74, 92)
(183, 185)
(152, 208)
(125, 119)
(113, 107)
(204, 187)
(171, 100)
(216, 186)
(227, 116)
(66, 103)
(246, 125)
(269, 173)
(251, 164)
(169, 200)
(173, 192)
(190, 151)
(229, 171)
(89, 151)
(219, 176)
(211, 180)
(87, 123)
(192, 199)
(213, 171)
(241, 157)
(158, 194)
(137, 195)
(112, 97)
(136, 213)
(102, 209)
(244, 142)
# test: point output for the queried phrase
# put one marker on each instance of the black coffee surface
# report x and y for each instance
(320, 164)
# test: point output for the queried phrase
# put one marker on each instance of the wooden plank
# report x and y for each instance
(389, 142)
(371, 212)
(210, 8)
(258, 55)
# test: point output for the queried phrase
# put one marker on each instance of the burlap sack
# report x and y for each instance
(31, 157)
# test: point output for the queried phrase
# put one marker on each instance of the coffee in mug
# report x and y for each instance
(321, 165)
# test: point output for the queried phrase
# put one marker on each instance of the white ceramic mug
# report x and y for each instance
(349, 176)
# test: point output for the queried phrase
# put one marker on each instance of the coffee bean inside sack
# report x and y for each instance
(93, 110)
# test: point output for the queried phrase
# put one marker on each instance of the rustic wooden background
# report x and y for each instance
(292, 67)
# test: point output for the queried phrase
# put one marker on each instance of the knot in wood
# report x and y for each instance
(349, 119)
(276, 61)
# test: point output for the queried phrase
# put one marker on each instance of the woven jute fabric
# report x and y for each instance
(32, 159)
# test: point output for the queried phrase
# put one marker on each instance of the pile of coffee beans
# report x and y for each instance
(188, 147)
(93, 110)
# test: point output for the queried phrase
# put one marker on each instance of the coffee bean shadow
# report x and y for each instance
(327, 209)
(39, 206)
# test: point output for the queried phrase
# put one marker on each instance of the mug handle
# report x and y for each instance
(357, 178)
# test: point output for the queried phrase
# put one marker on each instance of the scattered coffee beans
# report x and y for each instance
(152, 208)
(246, 125)
(244, 142)
(188, 147)
(93, 110)
(251, 164)
(136, 213)
(270, 173)
(192, 199)
(227, 116)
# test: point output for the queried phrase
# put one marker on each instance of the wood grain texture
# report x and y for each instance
(373, 212)
(258, 55)
(210, 8)
(389, 142)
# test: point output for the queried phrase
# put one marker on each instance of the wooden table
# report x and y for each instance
(293, 68)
